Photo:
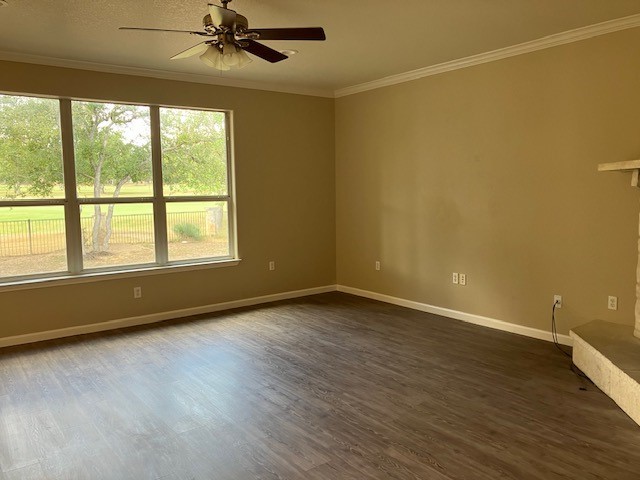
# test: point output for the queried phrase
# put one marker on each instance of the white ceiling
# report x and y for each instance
(366, 39)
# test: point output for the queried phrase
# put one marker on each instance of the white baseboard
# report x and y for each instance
(457, 315)
(158, 317)
(216, 307)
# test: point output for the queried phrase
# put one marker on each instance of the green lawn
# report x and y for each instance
(41, 229)
(132, 190)
(129, 190)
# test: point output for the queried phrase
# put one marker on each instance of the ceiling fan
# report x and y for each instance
(231, 37)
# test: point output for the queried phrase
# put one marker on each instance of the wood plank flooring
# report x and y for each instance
(325, 387)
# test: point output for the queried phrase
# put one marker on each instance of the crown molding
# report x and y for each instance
(161, 74)
(570, 36)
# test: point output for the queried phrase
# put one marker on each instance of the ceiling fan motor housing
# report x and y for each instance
(240, 24)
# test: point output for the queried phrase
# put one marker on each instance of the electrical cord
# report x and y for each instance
(554, 335)
(554, 332)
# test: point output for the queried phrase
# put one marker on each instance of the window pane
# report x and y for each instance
(30, 148)
(194, 152)
(32, 240)
(112, 150)
(197, 230)
(115, 235)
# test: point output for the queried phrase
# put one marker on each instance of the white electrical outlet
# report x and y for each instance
(463, 279)
(613, 303)
(377, 264)
(557, 301)
(137, 292)
(454, 278)
(272, 266)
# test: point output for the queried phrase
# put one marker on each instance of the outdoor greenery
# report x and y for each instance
(30, 147)
(187, 231)
(49, 213)
(193, 152)
(112, 158)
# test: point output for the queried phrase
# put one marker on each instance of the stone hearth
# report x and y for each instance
(609, 354)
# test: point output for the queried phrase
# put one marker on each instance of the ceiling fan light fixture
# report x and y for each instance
(243, 58)
(234, 56)
(213, 58)
(230, 55)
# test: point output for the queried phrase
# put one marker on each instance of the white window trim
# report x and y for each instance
(90, 276)
(76, 273)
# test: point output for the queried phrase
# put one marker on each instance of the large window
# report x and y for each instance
(95, 186)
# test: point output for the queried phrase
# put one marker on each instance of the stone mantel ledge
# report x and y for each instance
(632, 166)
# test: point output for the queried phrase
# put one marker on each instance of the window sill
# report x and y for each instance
(112, 275)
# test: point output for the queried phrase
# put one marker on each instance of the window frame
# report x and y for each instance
(72, 202)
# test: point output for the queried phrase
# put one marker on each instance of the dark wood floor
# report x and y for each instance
(325, 387)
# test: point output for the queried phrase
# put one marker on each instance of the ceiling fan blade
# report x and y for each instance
(262, 51)
(162, 30)
(189, 52)
(222, 17)
(312, 33)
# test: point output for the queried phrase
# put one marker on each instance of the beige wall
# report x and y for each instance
(284, 155)
(491, 171)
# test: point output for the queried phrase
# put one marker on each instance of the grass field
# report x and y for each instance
(131, 190)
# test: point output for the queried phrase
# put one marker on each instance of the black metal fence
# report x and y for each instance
(27, 237)
(30, 237)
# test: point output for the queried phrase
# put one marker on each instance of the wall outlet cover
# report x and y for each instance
(557, 301)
